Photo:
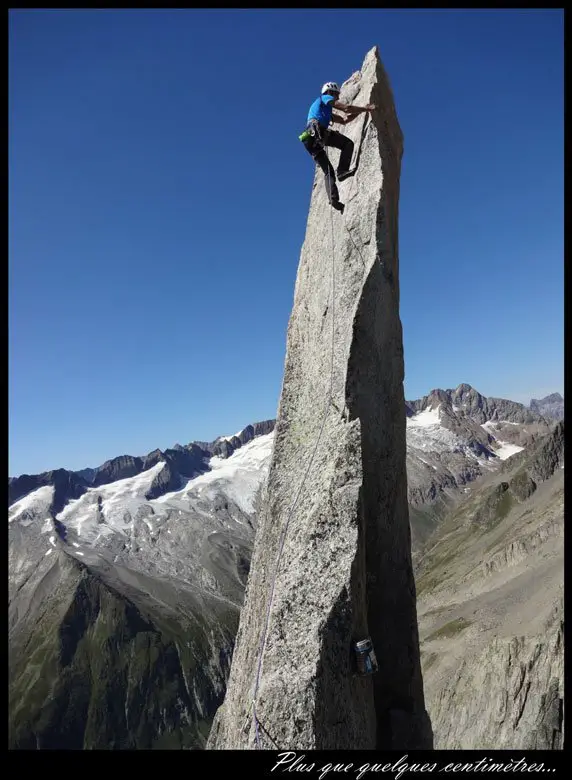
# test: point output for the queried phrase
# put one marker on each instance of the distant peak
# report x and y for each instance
(547, 398)
(436, 397)
(373, 53)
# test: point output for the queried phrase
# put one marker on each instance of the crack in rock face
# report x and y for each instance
(344, 568)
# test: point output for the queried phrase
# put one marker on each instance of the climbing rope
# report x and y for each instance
(264, 637)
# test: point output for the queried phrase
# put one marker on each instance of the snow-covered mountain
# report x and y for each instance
(135, 582)
(143, 511)
(455, 437)
(159, 547)
(177, 533)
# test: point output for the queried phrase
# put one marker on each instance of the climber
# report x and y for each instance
(317, 136)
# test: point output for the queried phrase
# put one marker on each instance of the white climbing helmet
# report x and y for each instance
(330, 86)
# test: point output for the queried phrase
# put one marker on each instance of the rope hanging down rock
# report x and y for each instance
(264, 638)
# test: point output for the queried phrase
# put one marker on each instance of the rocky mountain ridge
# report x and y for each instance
(490, 600)
(551, 406)
(477, 422)
(100, 659)
(130, 593)
(31, 575)
(448, 449)
(454, 438)
(182, 462)
(159, 560)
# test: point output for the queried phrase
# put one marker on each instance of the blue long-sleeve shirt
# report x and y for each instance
(321, 110)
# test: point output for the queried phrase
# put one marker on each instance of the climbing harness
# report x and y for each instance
(317, 132)
(264, 637)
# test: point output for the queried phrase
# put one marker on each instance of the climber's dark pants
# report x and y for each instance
(315, 147)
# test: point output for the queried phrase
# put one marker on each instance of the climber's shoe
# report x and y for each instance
(341, 175)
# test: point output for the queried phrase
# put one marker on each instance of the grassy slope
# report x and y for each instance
(494, 570)
(89, 668)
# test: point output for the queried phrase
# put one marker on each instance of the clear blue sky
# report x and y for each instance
(158, 204)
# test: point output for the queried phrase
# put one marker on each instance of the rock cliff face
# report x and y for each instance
(455, 437)
(549, 406)
(66, 484)
(335, 511)
(491, 609)
(107, 659)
